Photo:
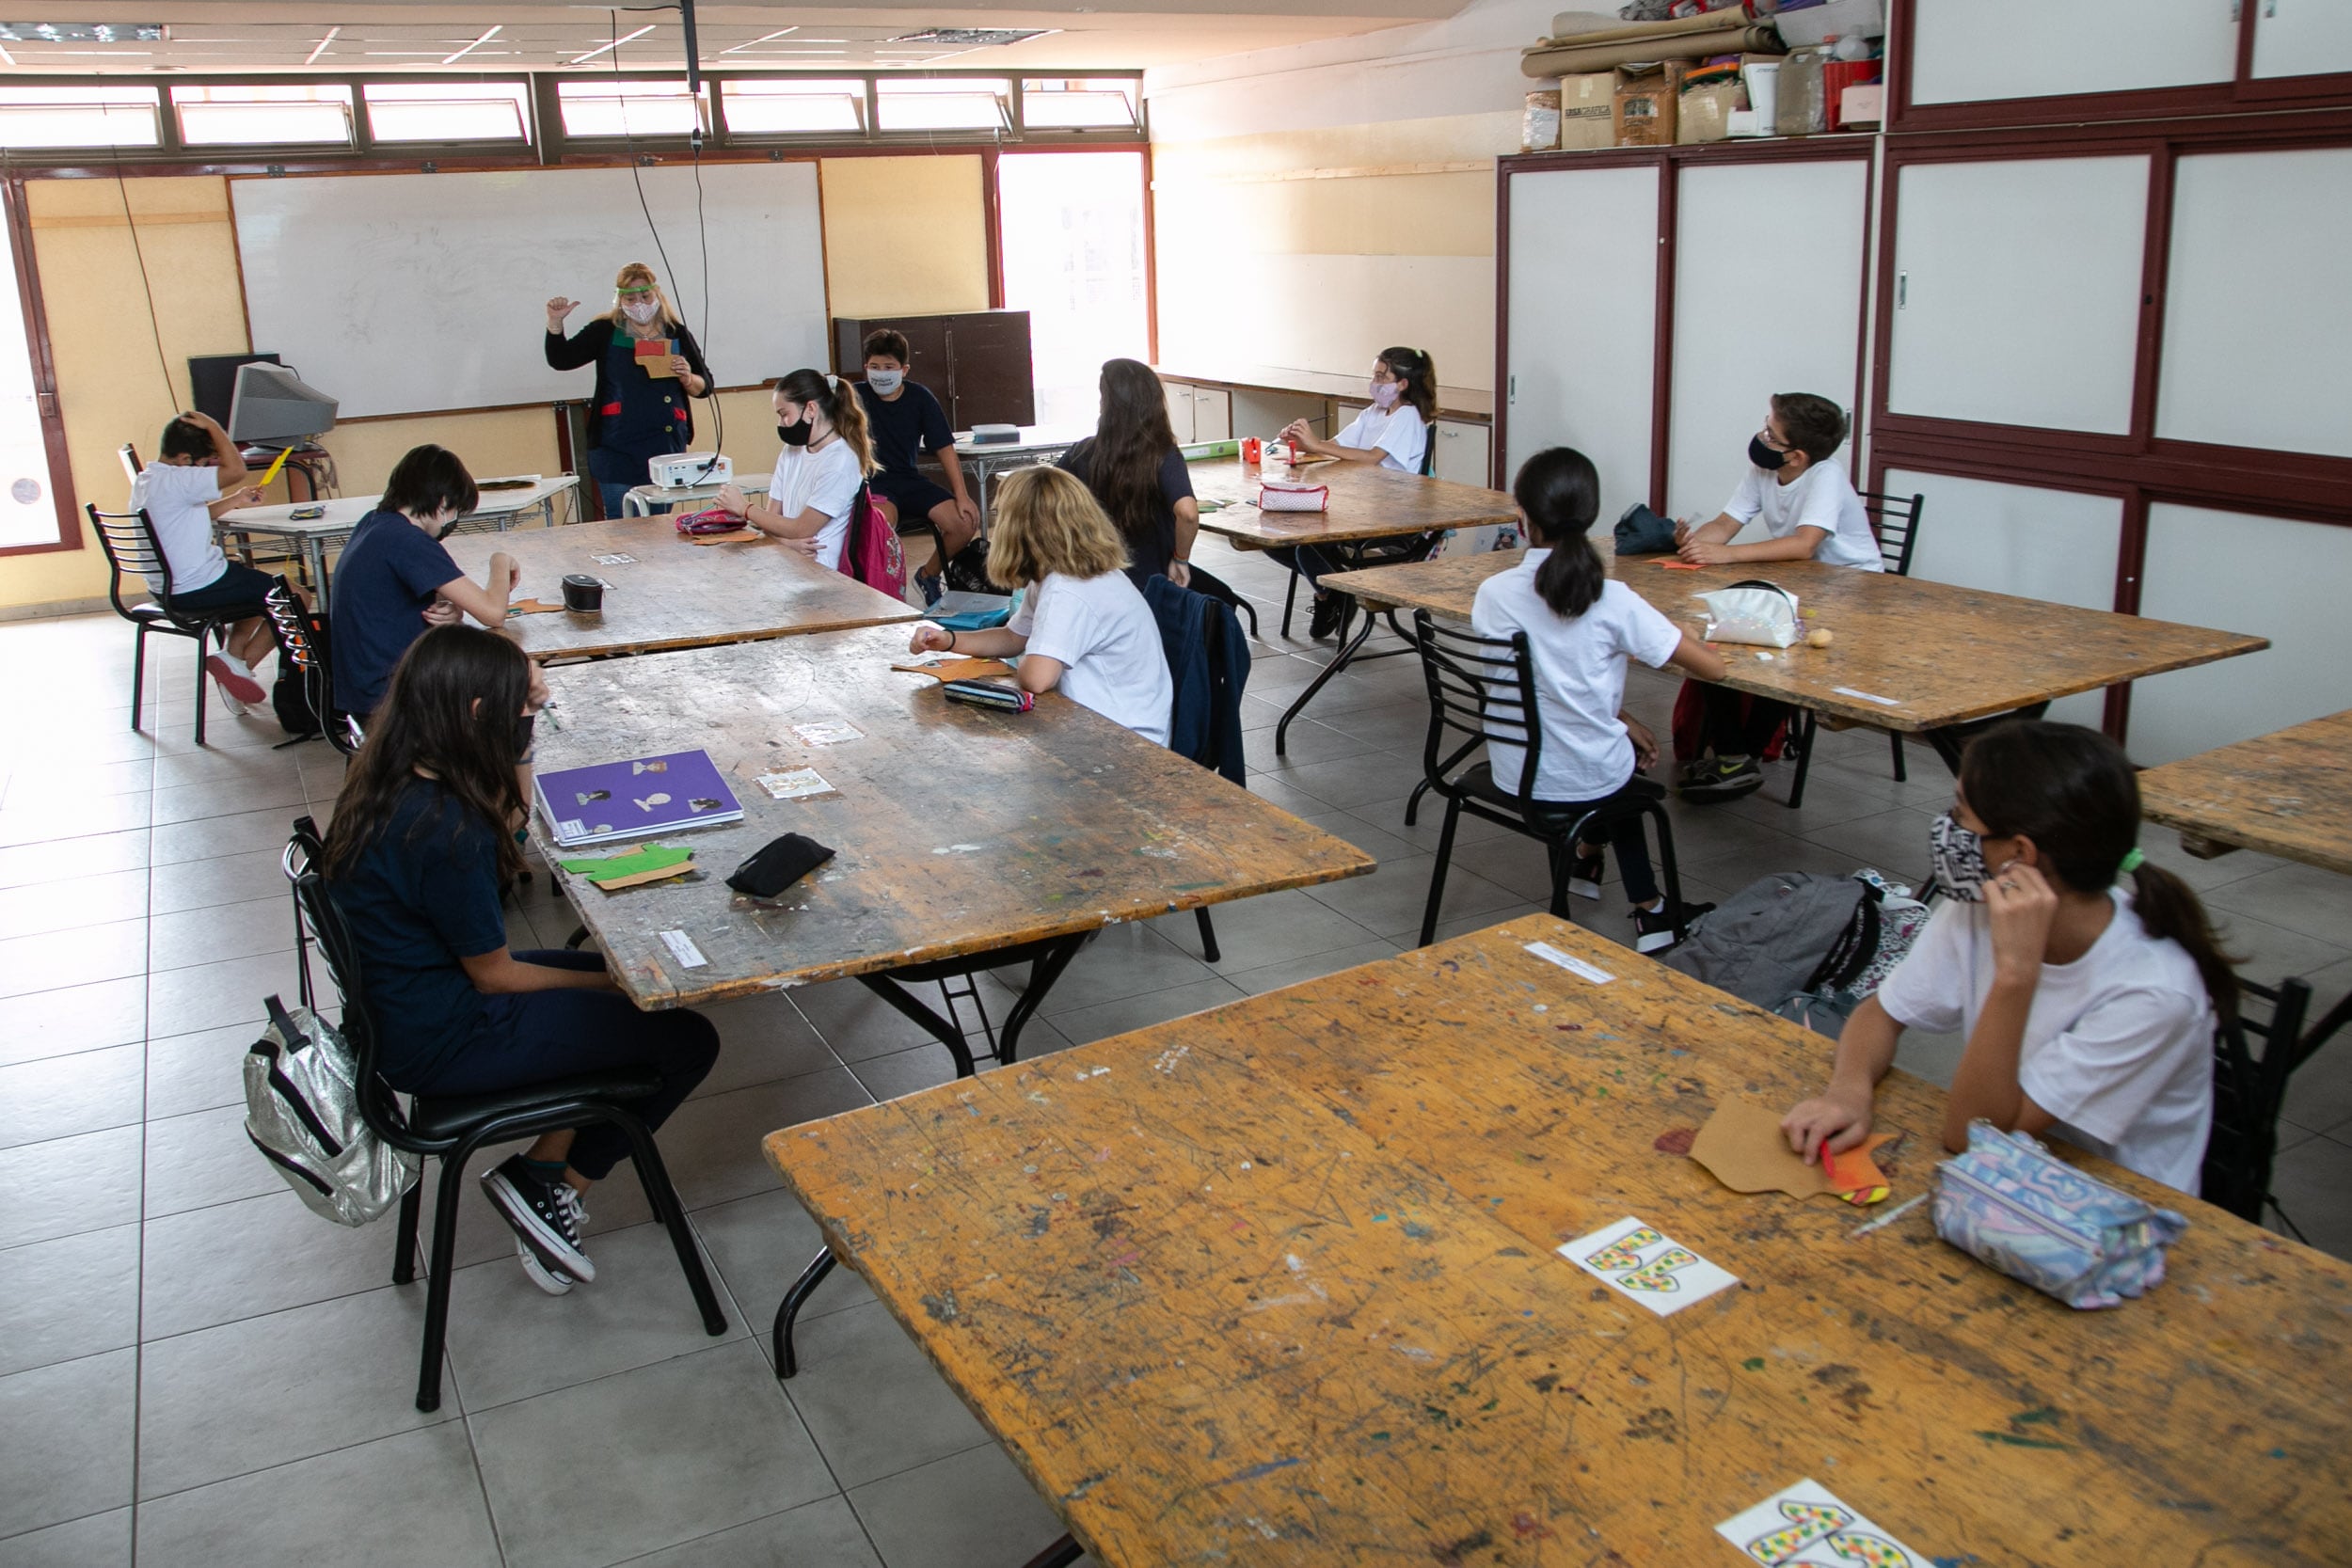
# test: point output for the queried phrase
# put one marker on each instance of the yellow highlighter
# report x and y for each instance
(284, 452)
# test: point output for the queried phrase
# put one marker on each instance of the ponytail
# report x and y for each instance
(1559, 492)
(838, 401)
(2168, 909)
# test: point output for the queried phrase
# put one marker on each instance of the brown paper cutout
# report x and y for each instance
(1744, 1146)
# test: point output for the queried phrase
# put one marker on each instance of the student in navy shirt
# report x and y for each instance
(908, 421)
(1137, 473)
(423, 839)
(394, 578)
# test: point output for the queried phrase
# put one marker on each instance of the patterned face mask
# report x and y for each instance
(641, 310)
(1384, 395)
(1957, 856)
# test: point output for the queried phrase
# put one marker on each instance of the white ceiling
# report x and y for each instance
(545, 34)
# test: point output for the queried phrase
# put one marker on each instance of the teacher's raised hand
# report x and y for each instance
(558, 309)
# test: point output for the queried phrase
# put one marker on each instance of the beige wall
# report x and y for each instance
(904, 235)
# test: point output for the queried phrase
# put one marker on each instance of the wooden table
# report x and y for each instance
(496, 509)
(1273, 1284)
(1909, 654)
(1368, 503)
(673, 593)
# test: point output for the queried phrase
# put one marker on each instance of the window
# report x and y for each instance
(628, 107)
(943, 105)
(775, 108)
(79, 116)
(1073, 232)
(252, 115)
(1090, 103)
(29, 485)
(448, 112)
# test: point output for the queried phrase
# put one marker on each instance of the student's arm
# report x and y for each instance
(499, 973)
(2022, 905)
(1800, 546)
(229, 504)
(1841, 1113)
(1696, 660)
(230, 471)
(484, 601)
(1721, 529)
(965, 507)
(767, 519)
(1188, 529)
(989, 643)
(1304, 440)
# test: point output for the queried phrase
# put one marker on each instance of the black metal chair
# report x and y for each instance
(1896, 521)
(454, 1129)
(133, 551)
(1482, 690)
(303, 646)
(2248, 1092)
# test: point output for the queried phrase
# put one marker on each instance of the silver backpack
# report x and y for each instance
(302, 1112)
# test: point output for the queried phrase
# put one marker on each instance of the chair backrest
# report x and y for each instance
(302, 642)
(130, 456)
(133, 551)
(1429, 451)
(323, 924)
(1482, 690)
(2248, 1092)
(1895, 520)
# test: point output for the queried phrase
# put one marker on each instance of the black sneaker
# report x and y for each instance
(1584, 876)
(545, 1215)
(1326, 618)
(1715, 780)
(1654, 929)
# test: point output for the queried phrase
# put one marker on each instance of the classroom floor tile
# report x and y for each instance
(161, 1289)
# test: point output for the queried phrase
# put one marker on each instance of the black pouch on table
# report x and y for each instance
(777, 865)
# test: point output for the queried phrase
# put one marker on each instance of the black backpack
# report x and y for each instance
(1789, 932)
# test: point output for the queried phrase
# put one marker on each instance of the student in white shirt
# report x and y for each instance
(828, 452)
(1581, 630)
(2089, 1008)
(1810, 512)
(1082, 627)
(197, 475)
(1393, 433)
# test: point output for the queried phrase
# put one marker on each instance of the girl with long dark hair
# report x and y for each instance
(828, 452)
(1137, 472)
(2086, 980)
(424, 838)
(1582, 628)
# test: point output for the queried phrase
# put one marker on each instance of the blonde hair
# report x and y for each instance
(639, 275)
(1048, 521)
(838, 401)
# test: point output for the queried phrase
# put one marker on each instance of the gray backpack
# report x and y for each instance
(302, 1112)
(1789, 932)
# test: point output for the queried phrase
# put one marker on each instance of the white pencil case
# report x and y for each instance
(1762, 614)
(1278, 496)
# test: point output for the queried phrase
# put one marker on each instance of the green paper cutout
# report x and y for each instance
(604, 868)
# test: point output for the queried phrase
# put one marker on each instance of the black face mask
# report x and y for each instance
(1763, 456)
(793, 435)
(524, 725)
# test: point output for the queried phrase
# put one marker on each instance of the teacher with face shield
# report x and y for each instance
(648, 366)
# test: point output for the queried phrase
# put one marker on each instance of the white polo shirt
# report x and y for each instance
(1108, 641)
(176, 500)
(1400, 432)
(825, 481)
(1822, 497)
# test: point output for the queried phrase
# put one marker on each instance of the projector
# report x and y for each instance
(683, 469)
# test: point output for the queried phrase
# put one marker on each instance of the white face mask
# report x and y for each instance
(641, 310)
(885, 382)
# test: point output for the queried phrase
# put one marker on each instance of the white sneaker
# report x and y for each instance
(236, 679)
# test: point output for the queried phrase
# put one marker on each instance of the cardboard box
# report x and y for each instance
(1709, 98)
(1644, 110)
(1539, 127)
(1839, 77)
(1587, 111)
(1837, 19)
(1863, 105)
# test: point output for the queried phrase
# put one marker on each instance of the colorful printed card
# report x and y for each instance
(633, 797)
(1804, 1526)
(1648, 1266)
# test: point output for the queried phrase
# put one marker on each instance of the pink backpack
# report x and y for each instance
(872, 554)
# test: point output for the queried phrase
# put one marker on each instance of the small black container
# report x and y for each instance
(582, 592)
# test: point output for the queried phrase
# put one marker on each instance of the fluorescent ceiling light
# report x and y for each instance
(615, 44)
(762, 38)
(321, 48)
(84, 32)
(475, 44)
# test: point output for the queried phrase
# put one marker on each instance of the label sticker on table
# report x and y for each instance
(1571, 962)
(829, 732)
(1805, 1526)
(1868, 696)
(682, 948)
(614, 560)
(1647, 1265)
(797, 783)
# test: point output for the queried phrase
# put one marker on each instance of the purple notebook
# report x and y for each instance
(631, 798)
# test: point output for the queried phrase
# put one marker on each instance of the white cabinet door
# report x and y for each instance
(1969, 51)
(2266, 577)
(1584, 311)
(2017, 291)
(2058, 546)
(2302, 37)
(2255, 337)
(1179, 409)
(1212, 414)
(1462, 450)
(1729, 355)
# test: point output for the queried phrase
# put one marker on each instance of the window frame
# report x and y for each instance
(34, 324)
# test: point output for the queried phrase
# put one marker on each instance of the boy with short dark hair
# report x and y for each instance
(197, 475)
(907, 420)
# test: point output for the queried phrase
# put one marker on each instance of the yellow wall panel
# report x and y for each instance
(904, 235)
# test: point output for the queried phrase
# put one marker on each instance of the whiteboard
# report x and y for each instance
(407, 293)
(1729, 356)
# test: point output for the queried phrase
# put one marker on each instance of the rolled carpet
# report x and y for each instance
(1582, 59)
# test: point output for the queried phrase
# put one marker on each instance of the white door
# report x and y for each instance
(2017, 291)
(1179, 409)
(1212, 414)
(29, 507)
(2252, 240)
(1462, 449)
(1729, 355)
(2302, 37)
(2266, 577)
(1969, 51)
(1583, 335)
(2057, 546)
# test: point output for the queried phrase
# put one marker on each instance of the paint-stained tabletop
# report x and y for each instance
(1367, 501)
(956, 829)
(1905, 654)
(661, 592)
(1274, 1284)
(2287, 794)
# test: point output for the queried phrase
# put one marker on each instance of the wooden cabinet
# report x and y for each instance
(1198, 413)
(976, 362)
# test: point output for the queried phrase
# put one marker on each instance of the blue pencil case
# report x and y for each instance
(2012, 1205)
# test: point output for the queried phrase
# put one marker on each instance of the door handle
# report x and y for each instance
(1903, 290)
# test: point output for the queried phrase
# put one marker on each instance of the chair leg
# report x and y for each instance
(436, 1282)
(654, 1177)
(1251, 611)
(1208, 937)
(1436, 873)
(1061, 1554)
(1896, 738)
(1804, 758)
(1559, 857)
(138, 673)
(1290, 599)
(405, 1243)
(790, 1307)
(202, 640)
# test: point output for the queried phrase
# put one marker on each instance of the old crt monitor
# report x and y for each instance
(273, 407)
(213, 381)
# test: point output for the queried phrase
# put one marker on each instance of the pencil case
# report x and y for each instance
(2012, 1205)
(712, 520)
(1760, 613)
(990, 694)
(1275, 495)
